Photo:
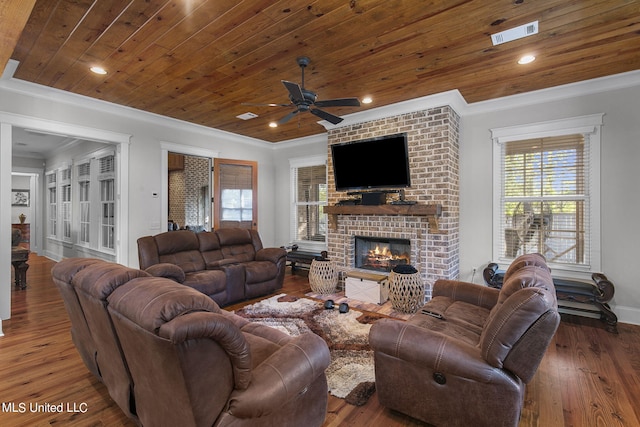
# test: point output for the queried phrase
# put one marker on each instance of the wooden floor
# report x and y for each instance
(589, 377)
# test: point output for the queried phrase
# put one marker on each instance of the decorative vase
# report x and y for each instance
(406, 291)
(22, 217)
(323, 277)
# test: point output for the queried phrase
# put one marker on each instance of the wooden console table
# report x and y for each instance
(25, 229)
(296, 257)
(432, 212)
(575, 296)
(19, 258)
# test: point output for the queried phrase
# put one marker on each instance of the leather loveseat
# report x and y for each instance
(169, 355)
(464, 359)
(229, 265)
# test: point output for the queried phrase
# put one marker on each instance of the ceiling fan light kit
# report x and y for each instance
(304, 100)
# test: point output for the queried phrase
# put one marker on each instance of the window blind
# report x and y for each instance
(310, 197)
(545, 198)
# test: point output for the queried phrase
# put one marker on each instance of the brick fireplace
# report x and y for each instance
(381, 254)
(433, 151)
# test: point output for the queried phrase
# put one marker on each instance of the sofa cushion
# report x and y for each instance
(260, 271)
(458, 330)
(237, 244)
(181, 248)
(470, 316)
(209, 282)
(210, 248)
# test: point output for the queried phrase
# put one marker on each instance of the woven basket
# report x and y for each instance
(406, 292)
(323, 276)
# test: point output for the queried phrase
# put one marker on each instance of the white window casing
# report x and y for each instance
(546, 193)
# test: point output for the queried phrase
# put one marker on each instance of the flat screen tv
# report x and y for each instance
(376, 163)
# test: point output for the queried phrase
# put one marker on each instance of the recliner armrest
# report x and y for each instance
(431, 350)
(219, 327)
(271, 254)
(283, 375)
(482, 296)
(168, 270)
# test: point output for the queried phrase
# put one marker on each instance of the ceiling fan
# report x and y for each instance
(305, 100)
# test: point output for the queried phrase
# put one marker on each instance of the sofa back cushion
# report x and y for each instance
(93, 285)
(522, 323)
(210, 247)
(534, 259)
(181, 248)
(237, 244)
(185, 355)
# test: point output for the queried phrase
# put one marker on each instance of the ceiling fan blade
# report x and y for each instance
(295, 91)
(288, 117)
(339, 102)
(266, 105)
(327, 116)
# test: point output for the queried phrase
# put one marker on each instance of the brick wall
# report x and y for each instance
(433, 159)
(186, 204)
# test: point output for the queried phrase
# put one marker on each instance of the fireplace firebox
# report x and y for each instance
(380, 253)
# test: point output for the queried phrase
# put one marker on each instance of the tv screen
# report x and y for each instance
(375, 163)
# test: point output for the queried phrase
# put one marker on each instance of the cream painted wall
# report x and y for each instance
(620, 203)
(55, 108)
(620, 157)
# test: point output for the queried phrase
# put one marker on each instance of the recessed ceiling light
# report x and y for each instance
(526, 59)
(98, 70)
(273, 125)
(367, 100)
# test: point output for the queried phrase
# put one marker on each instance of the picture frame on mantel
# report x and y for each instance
(20, 198)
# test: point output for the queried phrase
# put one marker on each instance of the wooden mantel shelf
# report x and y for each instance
(433, 212)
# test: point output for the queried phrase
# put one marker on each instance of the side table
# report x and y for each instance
(406, 291)
(323, 276)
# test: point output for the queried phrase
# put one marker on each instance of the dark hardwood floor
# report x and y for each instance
(589, 377)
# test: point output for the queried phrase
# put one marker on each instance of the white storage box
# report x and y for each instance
(367, 287)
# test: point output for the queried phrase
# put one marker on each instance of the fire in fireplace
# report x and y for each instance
(381, 254)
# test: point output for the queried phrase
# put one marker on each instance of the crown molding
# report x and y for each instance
(9, 83)
(452, 98)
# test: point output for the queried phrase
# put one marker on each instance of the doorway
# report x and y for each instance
(189, 192)
(236, 193)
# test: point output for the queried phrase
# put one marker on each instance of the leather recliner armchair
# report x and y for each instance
(193, 364)
(465, 358)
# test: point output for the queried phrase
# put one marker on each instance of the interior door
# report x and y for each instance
(235, 202)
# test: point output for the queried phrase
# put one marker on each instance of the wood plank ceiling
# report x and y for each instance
(199, 60)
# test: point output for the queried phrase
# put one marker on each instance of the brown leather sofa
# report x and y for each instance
(229, 265)
(85, 285)
(465, 358)
(169, 355)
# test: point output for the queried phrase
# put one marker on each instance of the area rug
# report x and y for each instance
(339, 297)
(351, 374)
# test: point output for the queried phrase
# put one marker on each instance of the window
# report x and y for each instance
(106, 179)
(548, 192)
(52, 204)
(309, 198)
(81, 203)
(84, 199)
(237, 205)
(65, 208)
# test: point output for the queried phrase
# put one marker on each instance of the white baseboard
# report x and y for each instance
(626, 314)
